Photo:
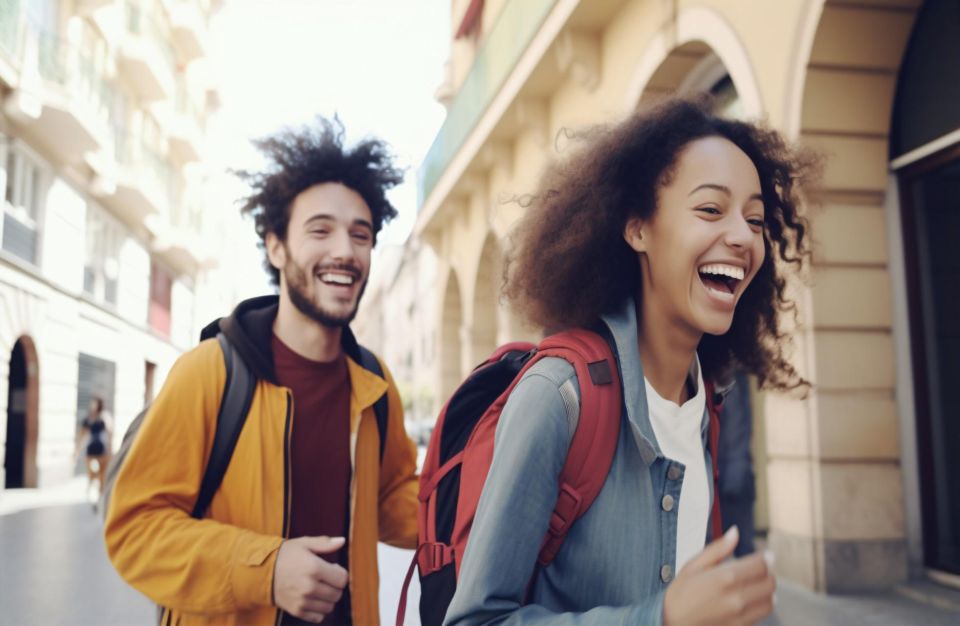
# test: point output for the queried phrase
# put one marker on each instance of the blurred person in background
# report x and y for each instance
(94, 435)
(291, 535)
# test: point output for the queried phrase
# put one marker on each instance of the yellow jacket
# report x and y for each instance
(219, 570)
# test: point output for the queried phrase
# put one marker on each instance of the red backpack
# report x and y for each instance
(461, 450)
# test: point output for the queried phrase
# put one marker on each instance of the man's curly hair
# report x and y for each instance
(569, 262)
(313, 155)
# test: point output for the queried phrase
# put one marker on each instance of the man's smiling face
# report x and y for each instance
(325, 260)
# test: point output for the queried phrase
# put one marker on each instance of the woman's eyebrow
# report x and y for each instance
(722, 189)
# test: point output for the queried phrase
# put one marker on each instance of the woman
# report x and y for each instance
(664, 228)
(96, 431)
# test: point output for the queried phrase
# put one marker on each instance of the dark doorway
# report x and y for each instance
(925, 149)
(931, 211)
(20, 449)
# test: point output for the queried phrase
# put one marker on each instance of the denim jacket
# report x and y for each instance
(618, 559)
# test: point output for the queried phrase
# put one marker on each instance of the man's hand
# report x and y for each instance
(710, 591)
(304, 584)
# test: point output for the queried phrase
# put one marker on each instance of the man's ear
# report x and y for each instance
(276, 251)
(633, 234)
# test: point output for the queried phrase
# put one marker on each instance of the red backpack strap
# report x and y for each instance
(714, 403)
(594, 441)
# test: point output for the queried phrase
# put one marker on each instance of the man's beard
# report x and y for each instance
(296, 290)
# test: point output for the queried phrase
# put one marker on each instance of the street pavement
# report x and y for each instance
(54, 571)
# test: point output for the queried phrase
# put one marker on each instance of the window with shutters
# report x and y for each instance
(26, 186)
(101, 267)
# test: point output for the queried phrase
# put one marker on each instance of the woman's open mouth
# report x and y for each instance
(721, 280)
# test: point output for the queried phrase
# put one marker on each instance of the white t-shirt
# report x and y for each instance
(677, 429)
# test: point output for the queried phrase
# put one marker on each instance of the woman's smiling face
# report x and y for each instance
(704, 243)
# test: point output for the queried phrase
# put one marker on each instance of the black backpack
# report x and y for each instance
(237, 395)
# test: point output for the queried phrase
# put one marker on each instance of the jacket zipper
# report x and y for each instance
(287, 438)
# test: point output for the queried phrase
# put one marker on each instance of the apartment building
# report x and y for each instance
(103, 110)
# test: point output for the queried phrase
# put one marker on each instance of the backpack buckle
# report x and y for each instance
(434, 557)
(565, 511)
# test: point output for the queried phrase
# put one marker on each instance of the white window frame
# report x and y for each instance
(25, 163)
(110, 240)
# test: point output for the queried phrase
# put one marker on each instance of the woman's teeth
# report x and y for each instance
(721, 269)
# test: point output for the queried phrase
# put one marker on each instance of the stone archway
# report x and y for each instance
(20, 453)
(703, 42)
(450, 339)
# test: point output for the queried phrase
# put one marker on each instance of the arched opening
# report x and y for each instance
(686, 69)
(486, 300)
(925, 153)
(702, 50)
(20, 454)
(450, 349)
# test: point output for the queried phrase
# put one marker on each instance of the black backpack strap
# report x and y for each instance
(237, 396)
(370, 363)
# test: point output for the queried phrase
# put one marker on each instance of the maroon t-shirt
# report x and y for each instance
(319, 453)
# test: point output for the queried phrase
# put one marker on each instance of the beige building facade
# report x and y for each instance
(103, 248)
(855, 480)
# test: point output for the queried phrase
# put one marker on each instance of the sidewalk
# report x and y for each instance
(911, 604)
(54, 566)
(54, 569)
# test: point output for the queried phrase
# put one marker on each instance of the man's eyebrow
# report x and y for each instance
(722, 189)
(320, 217)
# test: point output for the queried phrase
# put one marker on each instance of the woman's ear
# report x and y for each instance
(633, 234)
(275, 251)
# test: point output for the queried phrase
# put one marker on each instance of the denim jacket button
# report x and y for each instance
(674, 473)
(667, 503)
(666, 573)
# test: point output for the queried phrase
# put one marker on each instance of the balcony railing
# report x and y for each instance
(511, 34)
(10, 40)
(75, 69)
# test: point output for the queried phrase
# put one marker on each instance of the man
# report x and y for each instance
(291, 534)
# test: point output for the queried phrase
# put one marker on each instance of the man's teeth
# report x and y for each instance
(723, 270)
(339, 279)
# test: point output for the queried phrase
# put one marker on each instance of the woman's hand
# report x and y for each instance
(709, 590)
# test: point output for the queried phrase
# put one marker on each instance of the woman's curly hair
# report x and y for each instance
(313, 155)
(569, 262)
